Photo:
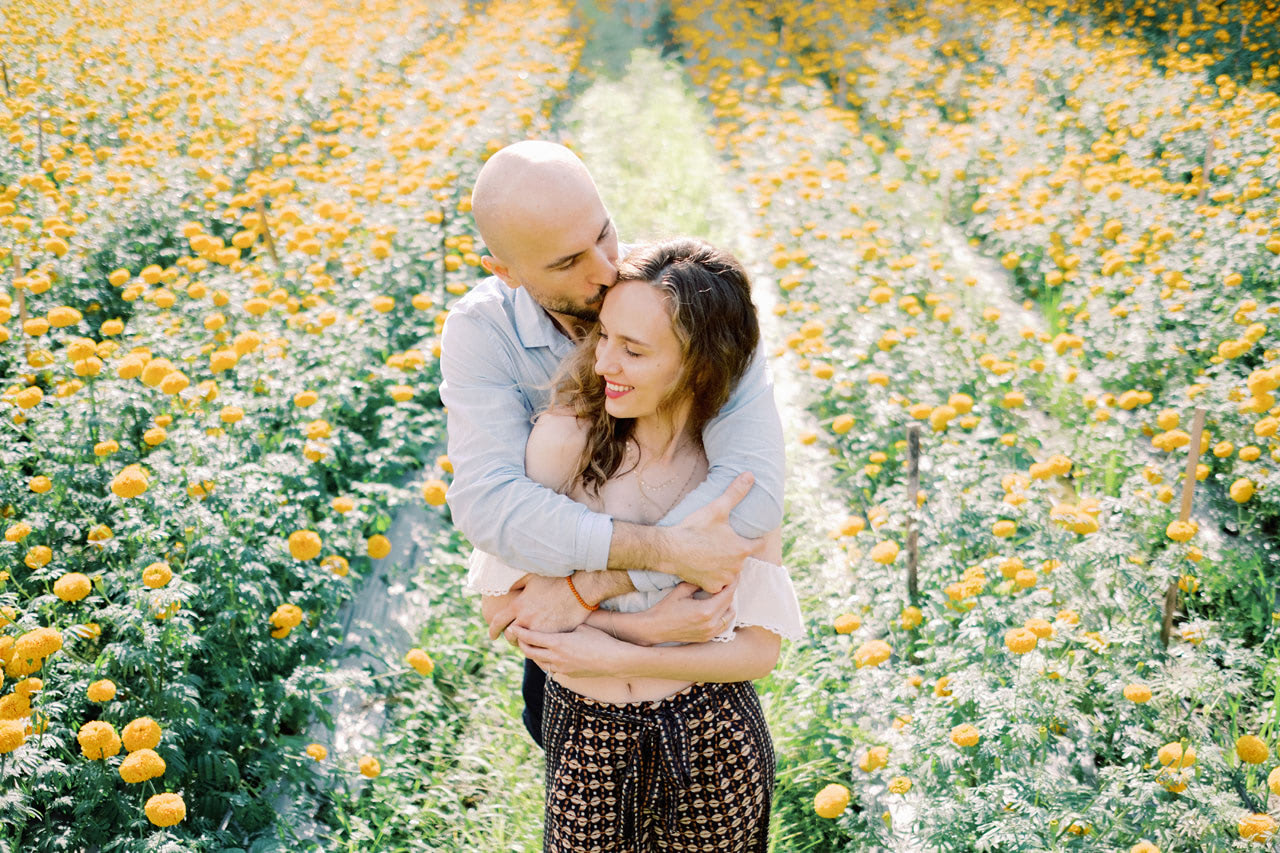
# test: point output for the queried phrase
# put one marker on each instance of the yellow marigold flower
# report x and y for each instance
(378, 546)
(63, 316)
(155, 371)
(142, 733)
(336, 564)
(941, 689)
(103, 690)
(73, 586)
(831, 801)
(1040, 627)
(899, 785)
(246, 342)
(155, 436)
(319, 428)
(130, 482)
(1004, 528)
(369, 766)
(433, 492)
(420, 660)
(106, 448)
(40, 484)
(1241, 490)
(29, 398)
(342, 503)
(285, 618)
(1137, 693)
(38, 642)
(911, 618)
(17, 532)
(1181, 531)
(847, 623)
(1175, 756)
(445, 465)
(157, 575)
(166, 809)
(98, 740)
(1019, 640)
(874, 758)
(965, 734)
(1273, 781)
(1252, 749)
(13, 733)
(871, 653)
(1258, 828)
(842, 424)
(317, 751)
(304, 544)
(884, 552)
(141, 765)
(305, 398)
(1144, 846)
(231, 414)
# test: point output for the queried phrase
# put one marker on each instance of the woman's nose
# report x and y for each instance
(605, 362)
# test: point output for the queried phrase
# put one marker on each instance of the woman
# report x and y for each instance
(663, 746)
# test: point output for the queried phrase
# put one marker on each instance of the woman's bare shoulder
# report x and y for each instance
(554, 450)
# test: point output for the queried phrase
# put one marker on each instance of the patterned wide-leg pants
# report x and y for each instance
(690, 773)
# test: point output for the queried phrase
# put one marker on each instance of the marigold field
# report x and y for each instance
(1019, 264)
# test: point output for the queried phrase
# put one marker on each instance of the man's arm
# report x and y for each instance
(745, 437)
(494, 503)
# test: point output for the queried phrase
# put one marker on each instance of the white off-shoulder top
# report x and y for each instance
(764, 598)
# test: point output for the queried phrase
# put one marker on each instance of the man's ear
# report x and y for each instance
(493, 266)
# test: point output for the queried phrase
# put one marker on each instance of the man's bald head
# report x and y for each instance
(525, 189)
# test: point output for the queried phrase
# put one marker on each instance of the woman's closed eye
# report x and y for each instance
(625, 349)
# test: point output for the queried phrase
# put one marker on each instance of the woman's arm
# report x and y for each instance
(587, 652)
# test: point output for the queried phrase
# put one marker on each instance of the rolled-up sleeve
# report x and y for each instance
(493, 502)
(745, 436)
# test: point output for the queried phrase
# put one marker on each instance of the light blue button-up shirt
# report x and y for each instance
(499, 352)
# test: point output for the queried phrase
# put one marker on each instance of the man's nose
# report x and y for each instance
(604, 269)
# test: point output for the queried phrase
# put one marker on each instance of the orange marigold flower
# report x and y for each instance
(98, 740)
(142, 733)
(166, 809)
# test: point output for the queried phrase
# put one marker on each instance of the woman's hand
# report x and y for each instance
(584, 652)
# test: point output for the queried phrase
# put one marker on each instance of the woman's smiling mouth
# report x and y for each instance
(613, 391)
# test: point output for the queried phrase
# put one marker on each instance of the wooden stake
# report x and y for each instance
(4, 70)
(1184, 514)
(22, 305)
(913, 489)
(266, 234)
(1204, 171)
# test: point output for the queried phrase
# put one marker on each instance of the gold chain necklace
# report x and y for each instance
(646, 489)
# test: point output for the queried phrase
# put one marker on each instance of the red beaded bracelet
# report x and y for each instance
(569, 578)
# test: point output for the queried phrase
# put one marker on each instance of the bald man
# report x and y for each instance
(553, 252)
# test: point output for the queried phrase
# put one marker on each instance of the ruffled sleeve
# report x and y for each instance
(766, 599)
(488, 575)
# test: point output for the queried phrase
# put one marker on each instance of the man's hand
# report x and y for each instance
(541, 604)
(705, 550)
(688, 615)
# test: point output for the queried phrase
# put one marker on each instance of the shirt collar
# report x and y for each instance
(535, 327)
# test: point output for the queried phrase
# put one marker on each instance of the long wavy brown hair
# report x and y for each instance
(708, 297)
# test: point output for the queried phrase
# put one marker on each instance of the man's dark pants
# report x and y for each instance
(535, 685)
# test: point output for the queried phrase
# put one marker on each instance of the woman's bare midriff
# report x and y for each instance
(619, 691)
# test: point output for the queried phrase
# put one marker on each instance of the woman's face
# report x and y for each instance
(638, 354)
